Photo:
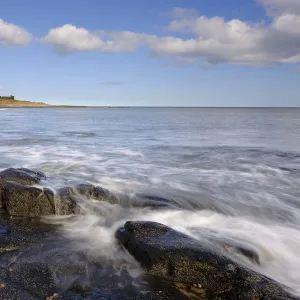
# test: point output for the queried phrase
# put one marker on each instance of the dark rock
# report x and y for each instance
(156, 199)
(27, 201)
(21, 176)
(91, 191)
(14, 292)
(152, 201)
(34, 277)
(68, 296)
(94, 294)
(141, 200)
(242, 250)
(65, 202)
(174, 256)
(87, 190)
(67, 198)
(4, 229)
(97, 294)
(21, 232)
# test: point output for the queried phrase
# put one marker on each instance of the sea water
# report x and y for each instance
(235, 172)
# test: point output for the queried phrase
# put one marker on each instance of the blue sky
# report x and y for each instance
(151, 53)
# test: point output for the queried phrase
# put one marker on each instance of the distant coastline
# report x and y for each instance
(12, 103)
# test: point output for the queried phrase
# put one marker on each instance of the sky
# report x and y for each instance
(151, 52)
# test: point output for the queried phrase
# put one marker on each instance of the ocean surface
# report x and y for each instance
(235, 172)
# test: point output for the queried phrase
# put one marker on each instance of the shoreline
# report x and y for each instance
(61, 106)
(40, 259)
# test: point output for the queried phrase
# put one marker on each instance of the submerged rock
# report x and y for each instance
(174, 256)
(242, 250)
(152, 201)
(27, 201)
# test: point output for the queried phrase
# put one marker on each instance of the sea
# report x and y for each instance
(234, 173)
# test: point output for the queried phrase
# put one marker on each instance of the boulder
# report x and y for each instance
(21, 176)
(27, 201)
(67, 198)
(94, 192)
(174, 256)
(65, 202)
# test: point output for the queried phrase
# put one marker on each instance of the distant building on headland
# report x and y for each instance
(11, 97)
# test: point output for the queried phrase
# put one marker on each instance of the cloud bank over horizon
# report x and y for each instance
(188, 37)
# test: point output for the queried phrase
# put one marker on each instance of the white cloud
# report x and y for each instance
(279, 7)
(11, 34)
(69, 38)
(287, 24)
(211, 40)
(217, 40)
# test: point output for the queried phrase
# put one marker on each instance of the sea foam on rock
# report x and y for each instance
(169, 254)
(21, 194)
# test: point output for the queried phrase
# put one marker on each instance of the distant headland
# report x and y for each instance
(10, 101)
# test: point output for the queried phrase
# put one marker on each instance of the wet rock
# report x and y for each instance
(142, 200)
(21, 232)
(97, 294)
(34, 277)
(4, 229)
(87, 190)
(174, 256)
(68, 296)
(67, 198)
(94, 192)
(22, 176)
(242, 250)
(14, 292)
(27, 201)
(93, 294)
(65, 202)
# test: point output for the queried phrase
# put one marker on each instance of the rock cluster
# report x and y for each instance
(186, 268)
(22, 195)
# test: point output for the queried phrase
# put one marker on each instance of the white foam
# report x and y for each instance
(254, 202)
(277, 245)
